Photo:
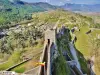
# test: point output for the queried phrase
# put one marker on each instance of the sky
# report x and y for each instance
(61, 2)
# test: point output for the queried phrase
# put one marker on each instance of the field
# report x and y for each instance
(84, 47)
(82, 41)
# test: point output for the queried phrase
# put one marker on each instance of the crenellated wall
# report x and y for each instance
(48, 52)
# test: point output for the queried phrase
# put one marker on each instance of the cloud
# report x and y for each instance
(68, 0)
(65, 0)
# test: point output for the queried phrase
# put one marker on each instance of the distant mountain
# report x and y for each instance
(82, 7)
(39, 6)
(14, 11)
(44, 5)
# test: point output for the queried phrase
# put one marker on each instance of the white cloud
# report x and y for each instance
(68, 0)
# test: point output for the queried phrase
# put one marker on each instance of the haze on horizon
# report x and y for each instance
(61, 2)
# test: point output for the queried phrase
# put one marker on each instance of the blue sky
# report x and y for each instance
(60, 2)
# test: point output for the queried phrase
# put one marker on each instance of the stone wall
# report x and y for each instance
(48, 51)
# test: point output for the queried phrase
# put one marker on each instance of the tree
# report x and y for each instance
(9, 45)
(3, 47)
(21, 43)
(94, 45)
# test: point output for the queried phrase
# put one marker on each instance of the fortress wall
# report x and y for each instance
(50, 40)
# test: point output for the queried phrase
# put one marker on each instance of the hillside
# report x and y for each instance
(14, 11)
(95, 16)
(26, 40)
(69, 19)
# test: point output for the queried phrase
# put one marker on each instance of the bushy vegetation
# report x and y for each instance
(60, 64)
(66, 18)
(16, 11)
(87, 45)
(97, 25)
(18, 44)
(11, 13)
(95, 17)
(95, 51)
(25, 38)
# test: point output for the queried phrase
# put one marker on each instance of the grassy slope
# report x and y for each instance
(94, 33)
(83, 45)
(65, 17)
(82, 41)
(16, 58)
(28, 65)
(31, 64)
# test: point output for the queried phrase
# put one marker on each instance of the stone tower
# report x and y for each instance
(50, 35)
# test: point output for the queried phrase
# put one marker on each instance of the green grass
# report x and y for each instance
(67, 18)
(95, 32)
(64, 43)
(60, 63)
(82, 41)
(83, 45)
(20, 69)
(83, 65)
(14, 59)
(27, 65)
(60, 66)
(32, 50)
